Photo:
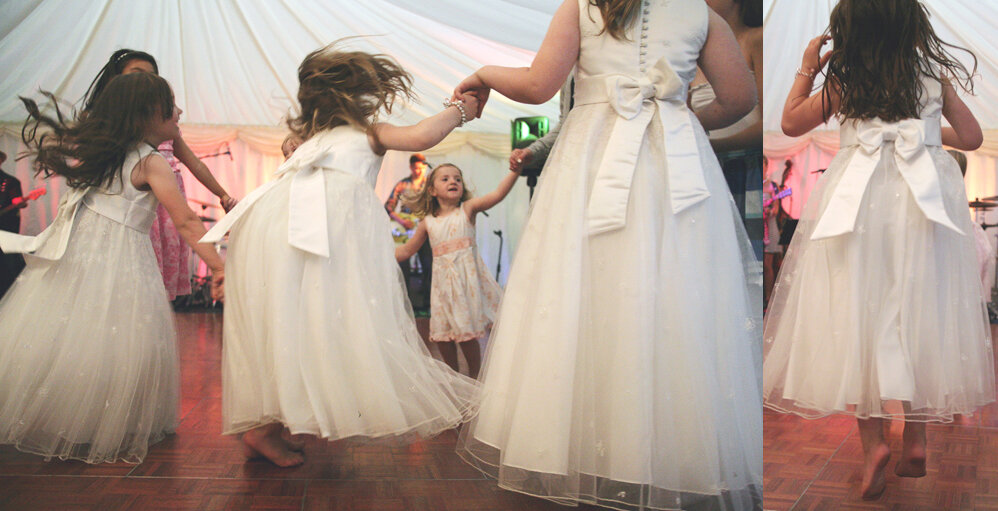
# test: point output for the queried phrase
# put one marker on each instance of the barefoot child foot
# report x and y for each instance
(912, 462)
(266, 441)
(874, 481)
(294, 442)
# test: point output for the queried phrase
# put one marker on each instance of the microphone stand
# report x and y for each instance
(499, 258)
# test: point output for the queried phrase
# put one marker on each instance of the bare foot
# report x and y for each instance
(874, 481)
(912, 462)
(294, 442)
(267, 442)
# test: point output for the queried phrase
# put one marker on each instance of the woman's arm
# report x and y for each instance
(548, 71)
(476, 205)
(407, 249)
(723, 64)
(751, 136)
(197, 167)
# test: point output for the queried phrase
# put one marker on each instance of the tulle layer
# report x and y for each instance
(885, 321)
(88, 360)
(623, 367)
(328, 346)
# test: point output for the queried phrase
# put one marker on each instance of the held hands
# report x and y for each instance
(813, 60)
(518, 158)
(227, 202)
(472, 105)
(218, 285)
(473, 85)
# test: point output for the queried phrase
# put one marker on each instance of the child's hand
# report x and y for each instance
(813, 60)
(227, 202)
(471, 104)
(518, 158)
(218, 285)
(473, 85)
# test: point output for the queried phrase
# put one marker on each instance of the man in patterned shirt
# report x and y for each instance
(418, 289)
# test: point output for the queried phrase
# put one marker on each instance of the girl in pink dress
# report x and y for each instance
(463, 295)
(171, 251)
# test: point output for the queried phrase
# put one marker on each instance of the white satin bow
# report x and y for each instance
(914, 163)
(634, 101)
(307, 228)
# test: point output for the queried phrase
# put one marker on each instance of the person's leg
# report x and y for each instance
(871, 433)
(473, 354)
(448, 350)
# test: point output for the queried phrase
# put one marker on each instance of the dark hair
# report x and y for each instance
(787, 165)
(882, 50)
(3, 156)
(617, 15)
(337, 88)
(114, 66)
(750, 12)
(91, 150)
(417, 157)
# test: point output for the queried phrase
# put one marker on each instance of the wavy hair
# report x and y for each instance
(337, 88)
(882, 49)
(90, 151)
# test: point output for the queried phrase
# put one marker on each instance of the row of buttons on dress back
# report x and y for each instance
(644, 36)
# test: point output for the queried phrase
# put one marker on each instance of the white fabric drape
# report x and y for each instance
(235, 63)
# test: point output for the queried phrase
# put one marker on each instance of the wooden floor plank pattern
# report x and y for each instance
(817, 465)
(200, 469)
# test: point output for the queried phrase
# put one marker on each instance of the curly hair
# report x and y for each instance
(90, 151)
(338, 88)
(422, 203)
(882, 49)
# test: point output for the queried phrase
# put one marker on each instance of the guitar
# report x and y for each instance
(785, 193)
(399, 232)
(19, 201)
(765, 224)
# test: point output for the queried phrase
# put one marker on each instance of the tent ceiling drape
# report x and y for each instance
(235, 62)
(233, 66)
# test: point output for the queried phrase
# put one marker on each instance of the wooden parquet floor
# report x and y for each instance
(816, 465)
(199, 469)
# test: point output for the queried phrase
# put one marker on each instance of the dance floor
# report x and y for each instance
(200, 469)
(817, 465)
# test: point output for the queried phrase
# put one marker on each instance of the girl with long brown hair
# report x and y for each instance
(88, 360)
(171, 254)
(319, 337)
(878, 312)
(622, 369)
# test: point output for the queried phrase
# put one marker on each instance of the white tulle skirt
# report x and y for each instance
(88, 359)
(623, 367)
(886, 321)
(328, 346)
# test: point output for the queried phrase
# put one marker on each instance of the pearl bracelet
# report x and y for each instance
(809, 76)
(460, 106)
